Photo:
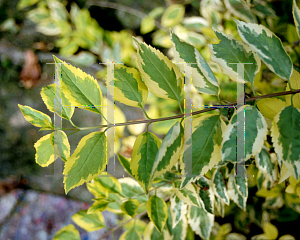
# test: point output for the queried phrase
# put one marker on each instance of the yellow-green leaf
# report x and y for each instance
(125, 162)
(98, 206)
(178, 209)
(270, 230)
(160, 75)
(129, 88)
(36, 117)
(48, 94)
(130, 234)
(44, 151)
(147, 24)
(269, 107)
(61, 145)
(110, 183)
(143, 155)
(80, 89)
(173, 15)
(130, 207)
(89, 222)
(68, 232)
(157, 211)
(295, 84)
(87, 161)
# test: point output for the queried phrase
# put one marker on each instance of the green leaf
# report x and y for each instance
(48, 94)
(296, 15)
(68, 232)
(36, 117)
(262, 10)
(151, 232)
(80, 89)
(98, 206)
(265, 165)
(144, 151)
(172, 15)
(129, 88)
(89, 222)
(285, 134)
(157, 212)
(131, 188)
(169, 151)
(219, 208)
(160, 75)
(200, 221)
(230, 51)
(206, 194)
(61, 145)
(87, 161)
(125, 162)
(219, 186)
(26, 3)
(268, 47)
(255, 134)
(205, 149)
(240, 9)
(130, 207)
(110, 183)
(203, 78)
(130, 234)
(147, 25)
(178, 232)
(178, 209)
(236, 191)
(188, 194)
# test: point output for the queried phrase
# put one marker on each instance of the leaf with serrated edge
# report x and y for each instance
(203, 78)
(144, 151)
(207, 153)
(285, 134)
(36, 117)
(130, 207)
(80, 89)
(48, 94)
(169, 151)
(200, 221)
(87, 161)
(160, 75)
(255, 132)
(268, 47)
(178, 209)
(157, 211)
(68, 232)
(129, 88)
(89, 222)
(219, 186)
(230, 51)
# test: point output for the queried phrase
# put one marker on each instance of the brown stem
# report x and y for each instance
(122, 224)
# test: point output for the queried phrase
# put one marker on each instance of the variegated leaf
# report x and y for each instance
(285, 134)
(219, 186)
(36, 117)
(125, 162)
(130, 207)
(206, 194)
(265, 165)
(169, 151)
(255, 133)
(129, 88)
(79, 88)
(99, 205)
(240, 9)
(268, 47)
(65, 109)
(188, 194)
(61, 145)
(130, 234)
(178, 232)
(151, 233)
(205, 149)
(269, 107)
(172, 15)
(157, 212)
(89, 222)
(68, 232)
(131, 188)
(44, 151)
(110, 183)
(229, 52)
(160, 75)
(178, 209)
(235, 191)
(200, 221)
(203, 78)
(87, 161)
(143, 155)
(296, 15)
(219, 209)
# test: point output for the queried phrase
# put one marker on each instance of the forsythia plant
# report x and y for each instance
(180, 200)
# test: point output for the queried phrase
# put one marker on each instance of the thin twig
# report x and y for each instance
(122, 224)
